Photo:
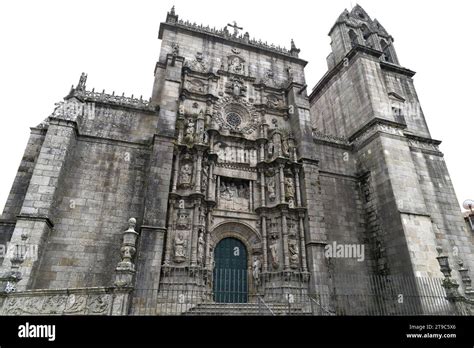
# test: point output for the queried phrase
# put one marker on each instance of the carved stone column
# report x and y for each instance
(218, 189)
(211, 182)
(195, 232)
(251, 195)
(284, 232)
(282, 184)
(262, 186)
(297, 187)
(208, 239)
(175, 172)
(197, 181)
(264, 242)
(169, 232)
(302, 243)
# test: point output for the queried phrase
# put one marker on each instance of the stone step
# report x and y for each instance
(243, 309)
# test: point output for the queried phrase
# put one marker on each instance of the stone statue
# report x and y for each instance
(289, 188)
(185, 174)
(179, 247)
(285, 148)
(256, 268)
(274, 253)
(271, 149)
(201, 243)
(290, 74)
(271, 189)
(294, 253)
(81, 86)
(189, 136)
(175, 47)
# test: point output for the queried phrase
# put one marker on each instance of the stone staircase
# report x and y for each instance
(245, 309)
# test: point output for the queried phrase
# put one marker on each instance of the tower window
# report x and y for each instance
(386, 51)
(353, 38)
(365, 32)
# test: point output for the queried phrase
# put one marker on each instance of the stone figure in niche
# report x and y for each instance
(185, 174)
(189, 135)
(271, 149)
(274, 253)
(271, 189)
(256, 269)
(180, 247)
(183, 222)
(285, 146)
(294, 253)
(201, 243)
(289, 188)
(290, 74)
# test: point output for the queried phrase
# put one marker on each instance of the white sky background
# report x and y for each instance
(45, 45)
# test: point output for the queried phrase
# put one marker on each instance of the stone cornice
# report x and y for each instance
(397, 68)
(31, 217)
(374, 126)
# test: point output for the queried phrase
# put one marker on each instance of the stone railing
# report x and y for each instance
(102, 97)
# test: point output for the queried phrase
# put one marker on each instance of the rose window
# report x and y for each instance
(233, 119)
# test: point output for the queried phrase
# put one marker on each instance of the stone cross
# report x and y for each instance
(236, 28)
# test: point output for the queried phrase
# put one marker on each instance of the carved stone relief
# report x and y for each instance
(235, 65)
(59, 303)
(183, 221)
(196, 85)
(274, 101)
(236, 87)
(198, 63)
(234, 195)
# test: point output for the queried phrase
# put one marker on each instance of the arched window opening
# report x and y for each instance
(353, 38)
(386, 51)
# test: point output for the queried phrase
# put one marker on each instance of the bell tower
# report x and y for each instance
(357, 28)
(368, 102)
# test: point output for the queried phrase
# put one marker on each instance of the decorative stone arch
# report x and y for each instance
(248, 235)
(243, 232)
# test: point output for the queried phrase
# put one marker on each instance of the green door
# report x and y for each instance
(230, 271)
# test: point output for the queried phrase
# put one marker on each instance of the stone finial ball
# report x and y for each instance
(132, 221)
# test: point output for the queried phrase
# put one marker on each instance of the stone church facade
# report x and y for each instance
(232, 176)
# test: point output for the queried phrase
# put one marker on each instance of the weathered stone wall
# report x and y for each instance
(102, 189)
(441, 203)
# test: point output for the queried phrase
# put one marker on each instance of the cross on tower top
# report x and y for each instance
(236, 28)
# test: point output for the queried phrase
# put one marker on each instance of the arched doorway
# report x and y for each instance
(230, 277)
